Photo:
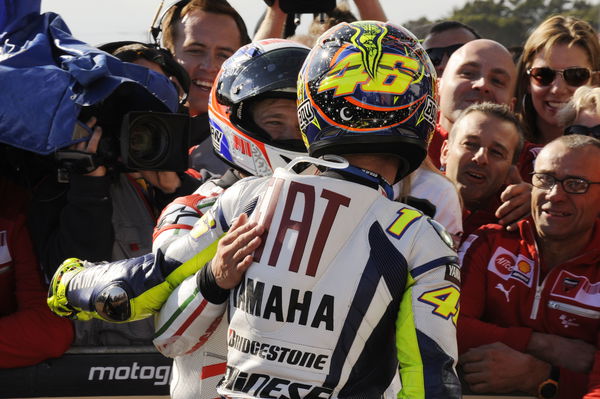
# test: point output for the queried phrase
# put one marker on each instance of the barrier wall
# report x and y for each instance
(102, 371)
(105, 372)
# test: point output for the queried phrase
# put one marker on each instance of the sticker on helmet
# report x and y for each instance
(261, 166)
(305, 115)
(429, 112)
(367, 82)
(368, 41)
(216, 135)
(370, 82)
(393, 75)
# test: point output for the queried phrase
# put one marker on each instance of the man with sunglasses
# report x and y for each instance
(443, 39)
(530, 303)
(481, 70)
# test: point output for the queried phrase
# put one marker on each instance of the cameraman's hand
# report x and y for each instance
(272, 3)
(165, 181)
(370, 10)
(272, 24)
(91, 146)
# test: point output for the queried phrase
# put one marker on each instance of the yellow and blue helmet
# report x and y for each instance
(368, 87)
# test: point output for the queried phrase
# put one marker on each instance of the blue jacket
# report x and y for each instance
(47, 75)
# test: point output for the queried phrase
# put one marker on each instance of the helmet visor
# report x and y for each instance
(276, 70)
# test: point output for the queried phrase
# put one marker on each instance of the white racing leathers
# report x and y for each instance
(200, 363)
(350, 295)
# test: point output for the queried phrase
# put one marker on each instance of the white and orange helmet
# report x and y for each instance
(264, 69)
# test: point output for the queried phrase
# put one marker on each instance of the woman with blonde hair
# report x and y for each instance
(561, 54)
(581, 115)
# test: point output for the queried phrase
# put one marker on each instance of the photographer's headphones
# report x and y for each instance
(156, 30)
(156, 26)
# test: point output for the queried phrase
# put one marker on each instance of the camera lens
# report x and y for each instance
(148, 141)
(155, 141)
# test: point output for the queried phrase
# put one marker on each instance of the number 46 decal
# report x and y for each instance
(444, 302)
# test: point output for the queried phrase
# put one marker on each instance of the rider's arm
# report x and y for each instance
(425, 327)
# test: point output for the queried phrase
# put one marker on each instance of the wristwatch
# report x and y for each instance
(548, 389)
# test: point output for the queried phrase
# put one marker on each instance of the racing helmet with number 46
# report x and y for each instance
(262, 70)
(368, 87)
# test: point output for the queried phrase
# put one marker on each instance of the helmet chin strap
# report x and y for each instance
(372, 177)
(328, 161)
(340, 163)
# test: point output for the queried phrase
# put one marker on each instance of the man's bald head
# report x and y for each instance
(485, 47)
(481, 70)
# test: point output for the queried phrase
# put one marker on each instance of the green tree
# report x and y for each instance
(419, 27)
(510, 21)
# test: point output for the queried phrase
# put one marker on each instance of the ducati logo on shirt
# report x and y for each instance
(505, 265)
(523, 270)
(576, 288)
(569, 283)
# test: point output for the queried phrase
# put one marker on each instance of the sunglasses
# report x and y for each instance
(574, 76)
(436, 54)
(593, 131)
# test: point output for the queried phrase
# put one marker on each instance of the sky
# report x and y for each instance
(101, 21)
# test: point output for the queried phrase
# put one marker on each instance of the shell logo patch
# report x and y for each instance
(523, 266)
(523, 270)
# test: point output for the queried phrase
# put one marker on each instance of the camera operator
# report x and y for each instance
(170, 184)
(116, 207)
